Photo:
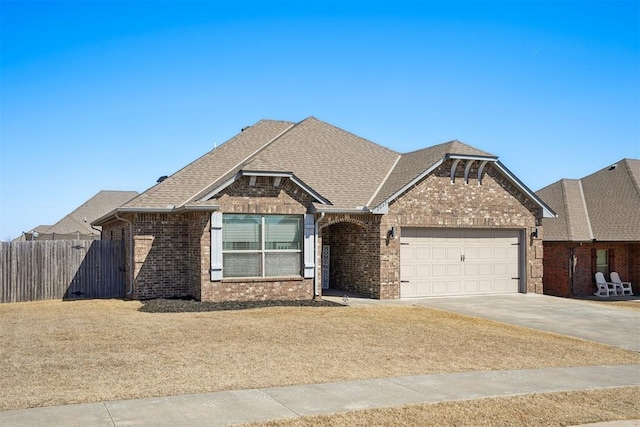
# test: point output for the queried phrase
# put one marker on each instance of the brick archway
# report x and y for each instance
(354, 255)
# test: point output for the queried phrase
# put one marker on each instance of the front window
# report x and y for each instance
(602, 261)
(261, 245)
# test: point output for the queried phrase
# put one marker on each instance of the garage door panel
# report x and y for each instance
(408, 289)
(439, 253)
(439, 270)
(439, 287)
(485, 269)
(471, 253)
(454, 253)
(454, 287)
(407, 252)
(485, 285)
(423, 288)
(423, 253)
(471, 286)
(458, 261)
(423, 270)
(499, 253)
(471, 269)
(500, 285)
(454, 270)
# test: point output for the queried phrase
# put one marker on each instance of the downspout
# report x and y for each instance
(131, 266)
(316, 291)
(98, 230)
(572, 269)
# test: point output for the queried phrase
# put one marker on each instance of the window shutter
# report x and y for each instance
(611, 261)
(216, 246)
(309, 246)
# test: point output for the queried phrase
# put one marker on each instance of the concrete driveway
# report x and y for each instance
(591, 321)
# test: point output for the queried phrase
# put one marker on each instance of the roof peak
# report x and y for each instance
(467, 149)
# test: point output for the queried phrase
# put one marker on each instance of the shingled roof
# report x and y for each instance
(343, 171)
(603, 206)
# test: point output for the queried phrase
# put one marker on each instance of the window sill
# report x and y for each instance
(262, 279)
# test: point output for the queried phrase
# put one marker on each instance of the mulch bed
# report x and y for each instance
(161, 305)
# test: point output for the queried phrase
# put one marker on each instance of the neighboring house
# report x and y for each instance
(284, 210)
(597, 229)
(77, 224)
(33, 234)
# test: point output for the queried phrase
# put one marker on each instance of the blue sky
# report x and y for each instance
(111, 95)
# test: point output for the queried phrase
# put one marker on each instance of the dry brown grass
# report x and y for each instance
(550, 409)
(86, 351)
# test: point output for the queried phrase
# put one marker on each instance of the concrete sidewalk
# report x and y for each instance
(245, 406)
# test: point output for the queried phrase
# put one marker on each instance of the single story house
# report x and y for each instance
(77, 224)
(597, 229)
(288, 210)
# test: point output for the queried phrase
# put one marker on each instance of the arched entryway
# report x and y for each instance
(351, 256)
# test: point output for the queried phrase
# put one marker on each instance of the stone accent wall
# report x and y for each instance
(437, 202)
(559, 280)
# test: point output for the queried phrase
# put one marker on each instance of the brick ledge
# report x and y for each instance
(262, 279)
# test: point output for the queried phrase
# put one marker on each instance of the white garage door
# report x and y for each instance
(435, 262)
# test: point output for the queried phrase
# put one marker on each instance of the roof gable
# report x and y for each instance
(414, 165)
(602, 206)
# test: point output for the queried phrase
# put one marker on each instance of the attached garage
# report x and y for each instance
(446, 261)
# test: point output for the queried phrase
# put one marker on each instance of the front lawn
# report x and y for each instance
(57, 352)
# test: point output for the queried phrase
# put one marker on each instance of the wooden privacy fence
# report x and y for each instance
(61, 269)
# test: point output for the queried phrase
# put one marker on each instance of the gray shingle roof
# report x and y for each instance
(342, 169)
(184, 185)
(604, 205)
(79, 219)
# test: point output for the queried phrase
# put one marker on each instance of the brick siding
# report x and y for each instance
(354, 256)
(559, 280)
(436, 202)
(172, 252)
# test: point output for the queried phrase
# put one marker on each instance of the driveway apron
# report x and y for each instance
(614, 326)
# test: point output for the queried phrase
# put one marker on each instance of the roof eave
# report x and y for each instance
(358, 210)
(469, 157)
(545, 210)
(170, 209)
